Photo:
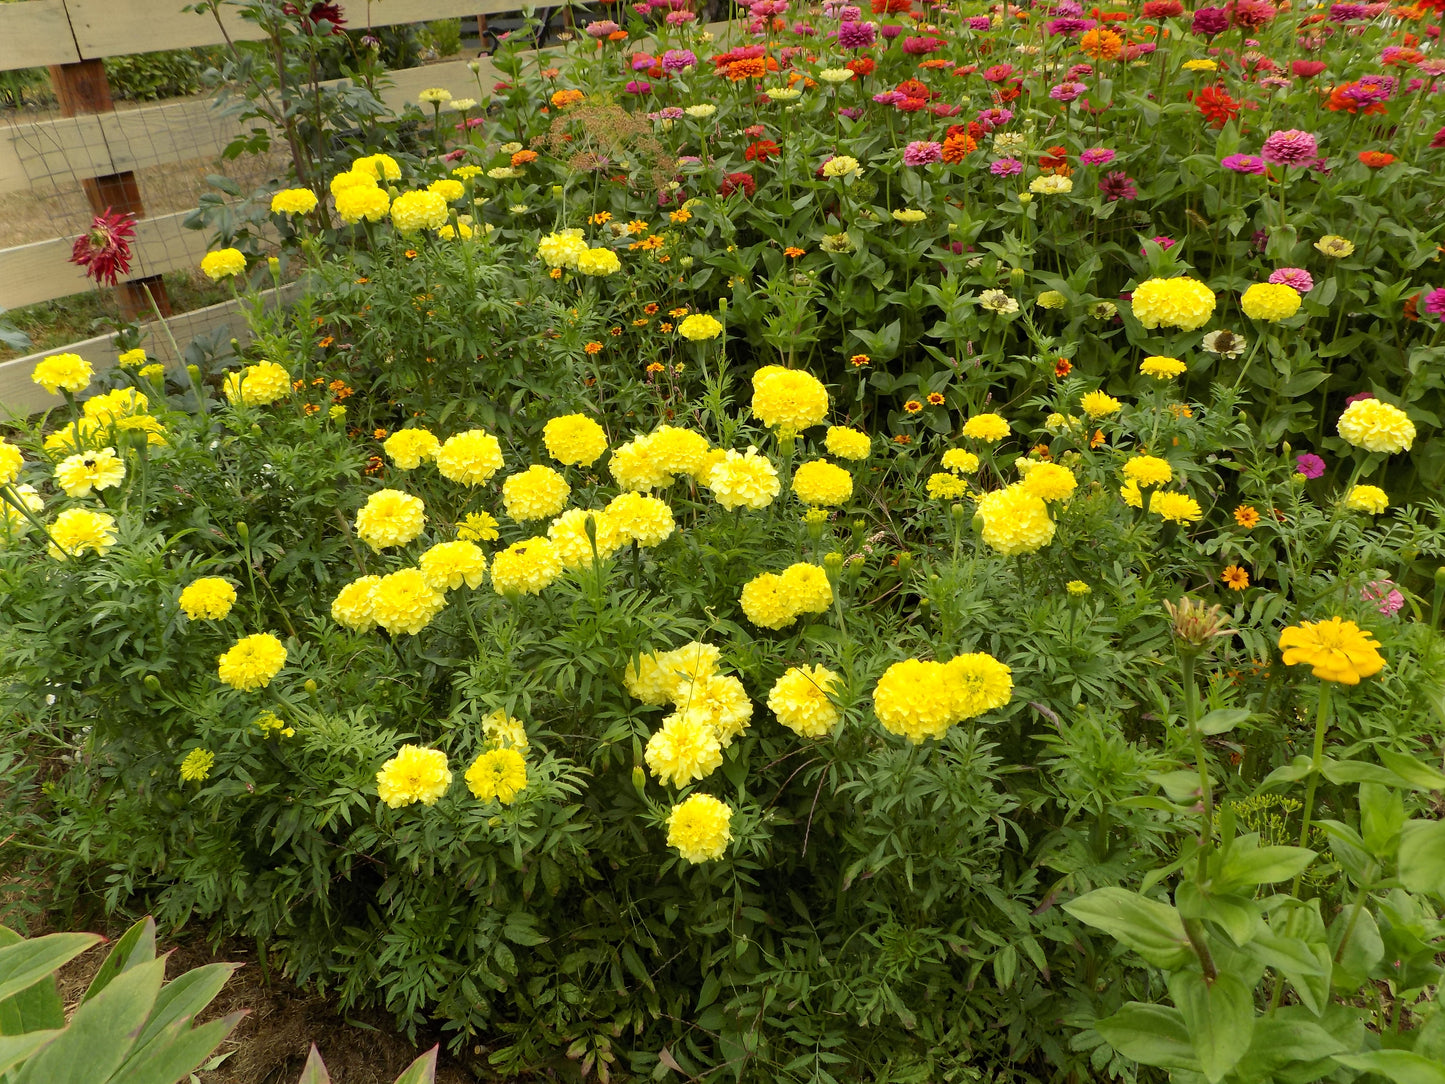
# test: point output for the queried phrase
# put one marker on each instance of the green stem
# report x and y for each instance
(1321, 724)
(1206, 789)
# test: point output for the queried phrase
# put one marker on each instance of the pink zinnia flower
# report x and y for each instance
(1297, 278)
(856, 35)
(1243, 163)
(921, 152)
(1006, 167)
(1384, 595)
(1209, 22)
(1434, 303)
(1118, 186)
(1291, 147)
(1164, 243)
(104, 249)
(1309, 464)
(1096, 156)
(978, 22)
(1067, 92)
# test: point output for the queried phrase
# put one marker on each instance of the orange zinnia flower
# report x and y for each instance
(1376, 159)
(593, 348)
(1235, 577)
(521, 158)
(1101, 44)
(1246, 516)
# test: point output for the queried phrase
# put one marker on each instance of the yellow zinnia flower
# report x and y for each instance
(1336, 650)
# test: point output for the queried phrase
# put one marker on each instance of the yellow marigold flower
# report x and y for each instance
(822, 484)
(633, 517)
(1270, 301)
(415, 774)
(559, 250)
(380, 167)
(801, 701)
(252, 662)
(354, 604)
(1179, 302)
(413, 211)
(649, 679)
(988, 428)
(70, 372)
(678, 450)
(127, 358)
(1175, 507)
(208, 598)
(448, 565)
(1370, 499)
(914, 700)
(477, 527)
(1335, 246)
(84, 473)
(685, 749)
(361, 201)
(744, 481)
(447, 189)
(1015, 521)
(76, 530)
(1131, 495)
(841, 165)
(536, 493)
(598, 262)
(1078, 589)
(10, 462)
(409, 448)
(1376, 426)
(692, 662)
(1097, 404)
(699, 827)
(638, 466)
(257, 385)
(154, 371)
(526, 567)
(116, 405)
(568, 535)
(699, 327)
(1050, 482)
(196, 765)
(1148, 470)
(960, 461)
(721, 700)
(223, 264)
(405, 601)
(293, 201)
(14, 522)
(1162, 368)
(847, 443)
(1335, 650)
(979, 683)
(765, 602)
(269, 722)
(788, 398)
(947, 486)
(390, 518)
(574, 440)
(470, 458)
(502, 730)
(352, 179)
(1200, 64)
(808, 587)
(499, 774)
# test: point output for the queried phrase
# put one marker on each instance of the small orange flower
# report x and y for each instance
(902, 438)
(678, 314)
(935, 398)
(614, 331)
(600, 218)
(682, 214)
(310, 408)
(593, 348)
(1376, 159)
(1246, 516)
(325, 342)
(641, 321)
(374, 464)
(1041, 451)
(792, 252)
(1236, 578)
(664, 327)
(521, 158)
(656, 367)
(362, 281)
(859, 360)
(410, 254)
(1063, 367)
(563, 98)
(378, 434)
(637, 226)
(650, 308)
(551, 73)
(555, 273)
(1097, 440)
(913, 406)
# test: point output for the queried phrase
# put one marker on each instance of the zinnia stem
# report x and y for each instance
(1206, 790)
(1321, 724)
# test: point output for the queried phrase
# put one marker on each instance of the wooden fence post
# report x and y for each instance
(82, 88)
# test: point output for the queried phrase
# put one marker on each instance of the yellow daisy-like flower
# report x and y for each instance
(699, 828)
(847, 443)
(536, 493)
(1335, 246)
(788, 398)
(448, 565)
(354, 605)
(477, 527)
(744, 480)
(1370, 499)
(499, 774)
(1376, 426)
(822, 484)
(1270, 301)
(209, 598)
(1148, 470)
(1175, 507)
(252, 662)
(526, 567)
(684, 750)
(801, 700)
(989, 428)
(1178, 302)
(470, 458)
(82, 474)
(574, 440)
(390, 518)
(405, 601)
(415, 774)
(410, 448)
(1162, 368)
(69, 372)
(1015, 521)
(1097, 404)
(77, 530)
(196, 765)
(223, 264)
(1335, 650)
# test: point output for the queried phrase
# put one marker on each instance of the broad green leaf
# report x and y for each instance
(16, 1048)
(1357, 771)
(1422, 856)
(1280, 1045)
(101, 1032)
(1265, 865)
(314, 1071)
(1305, 964)
(1362, 951)
(1219, 1016)
(421, 1071)
(26, 962)
(1150, 1035)
(1222, 720)
(1419, 775)
(1382, 812)
(136, 946)
(1401, 1066)
(37, 1008)
(1294, 771)
(1238, 915)
(175, 1053)
(186, 996)
(1152, 929)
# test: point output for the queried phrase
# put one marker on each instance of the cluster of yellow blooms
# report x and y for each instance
(774, 600)
(1377, 427)
(710, 710)
(499, 772)
(919, 699)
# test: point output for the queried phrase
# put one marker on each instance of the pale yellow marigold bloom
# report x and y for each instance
(405, 601)
(69, 372)
(293, 201)
(800, 699)
(252, 662)
(257, 385)
(86, 472)
(390, 518)
(1370, 499)
(988, 428)
(1098, 404)
(574, 440)
(354, 604)
(413, 211)
(744, 481)
(1050, 482)
(1148, 470)
(822, 484)
(77, 530)
(788, 398)
(1178, 302)
(526, 567)
(415, 774)
(699, 828)
(685, 749)
(847, 443)
(223, 264)
(1162, 368)
(699, 327)
(470, 458)
(448, 565)
(536, 493)
(410, 448)
(634, 517)
(209, 598)
(1376, 426)
(1015, 521)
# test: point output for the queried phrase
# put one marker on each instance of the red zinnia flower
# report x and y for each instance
(1376, 159)
(912, 88)
(738, 182)
(1054, 156)
(1162, 9)
(104, 250)
(1217, 106)
(1063, 367)
(762, 150)
(330, 13)
(1307, 69)
(861, 66)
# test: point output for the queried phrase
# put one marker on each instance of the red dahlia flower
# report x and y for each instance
(104, 250)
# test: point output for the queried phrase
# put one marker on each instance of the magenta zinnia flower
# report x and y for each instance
(978, 22)
(1297, 278)
(1434, 303)
(1096, 156)
(1117, 186)
(1243, 163)
(1067, 92)
(676, 60)
(104, 249)
(1309, 464)
(1291, 147)
(921, 152)
(1006, 167)
(1209, 22)
(856, 35)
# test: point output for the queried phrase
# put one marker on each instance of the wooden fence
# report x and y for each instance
(40, 33)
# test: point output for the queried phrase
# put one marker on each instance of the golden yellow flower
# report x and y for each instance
(801, 700)
(699, 828)
(1335, 650)
(252, 662)
(415, 774)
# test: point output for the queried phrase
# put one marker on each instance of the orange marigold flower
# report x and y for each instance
(562, 98)
(1236, 578)
(555, 273)
(593, 348)
(751, 68)
(859, 360)
(1246, 516)
(641, 321)
(378, 434)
